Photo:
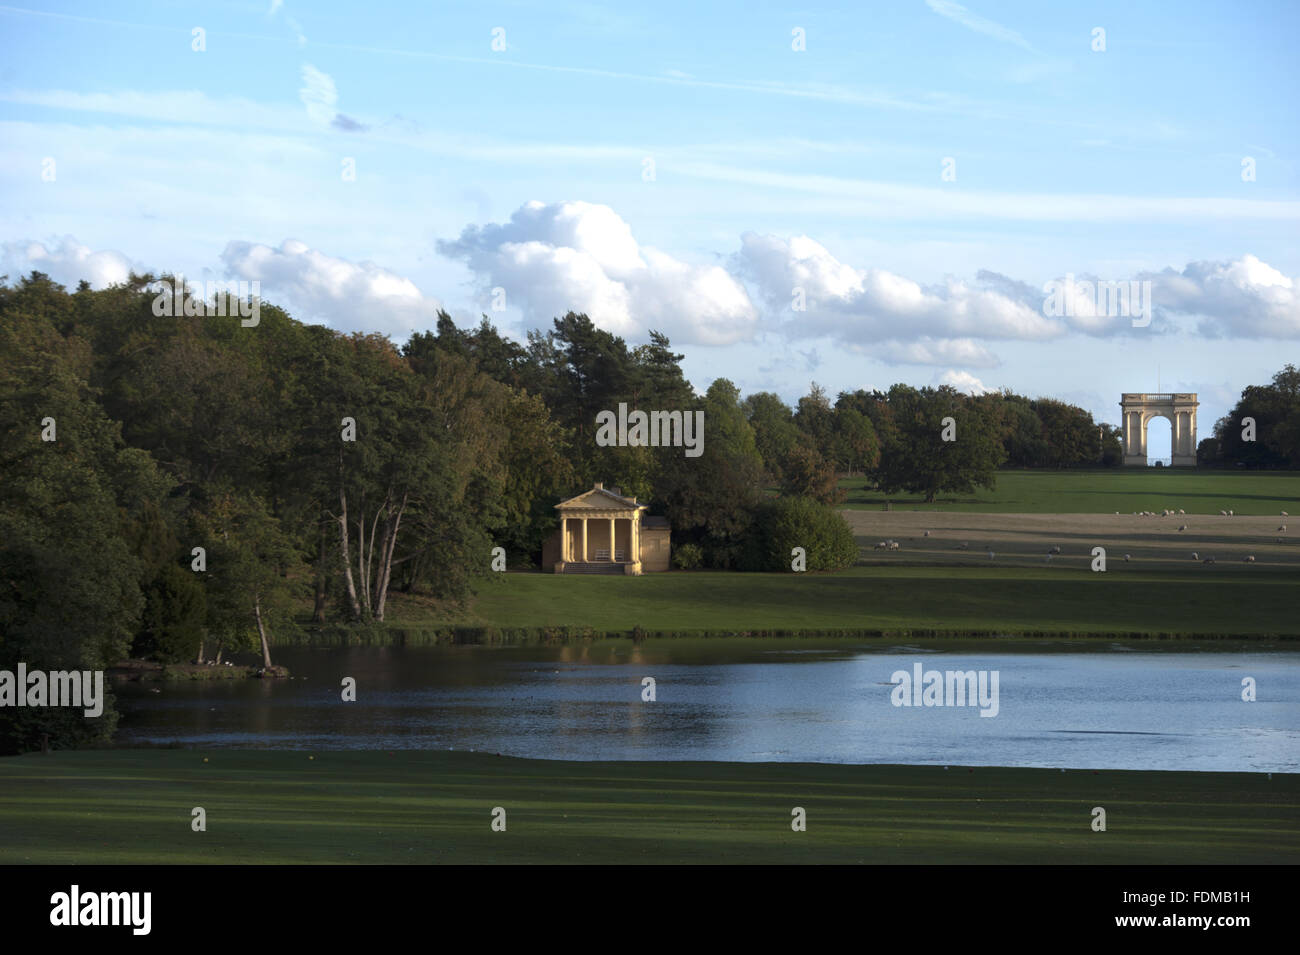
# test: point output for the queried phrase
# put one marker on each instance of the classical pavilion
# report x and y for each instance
(603, 532)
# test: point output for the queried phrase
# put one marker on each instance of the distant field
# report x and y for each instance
(134, 806)
(1219, 599)
(1106, 491)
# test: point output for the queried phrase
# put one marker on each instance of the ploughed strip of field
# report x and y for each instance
(1151, 542)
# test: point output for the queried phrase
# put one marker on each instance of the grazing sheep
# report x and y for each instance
(1195, 556)
(1183, 527)
(1285, 514)
(1282, 528)
(1181, 511)
(1056, 549)
(1127, 558)
(1229, 513)
(1223, 513)
(1250, 559)
(927, 534)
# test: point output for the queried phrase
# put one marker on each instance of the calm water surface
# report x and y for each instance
(1059, 705)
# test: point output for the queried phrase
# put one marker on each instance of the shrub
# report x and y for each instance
(791, 522)
(688, 556)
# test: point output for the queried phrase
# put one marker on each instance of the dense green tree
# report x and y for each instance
(915, 456)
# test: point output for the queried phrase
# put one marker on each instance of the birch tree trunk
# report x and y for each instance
(261, 632)
(347, 558)
(386, 556)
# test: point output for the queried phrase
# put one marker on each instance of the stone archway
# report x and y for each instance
(1179, 409)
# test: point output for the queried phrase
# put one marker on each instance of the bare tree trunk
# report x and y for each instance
(202, 640)
(261, 632)
(347, 559)
(370, 558)
(386, 558)
(220, 650)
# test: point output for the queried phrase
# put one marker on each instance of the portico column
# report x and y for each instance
(611, 540)
(564, 539)
(584, 540)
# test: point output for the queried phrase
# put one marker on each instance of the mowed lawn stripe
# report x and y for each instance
(281, 807)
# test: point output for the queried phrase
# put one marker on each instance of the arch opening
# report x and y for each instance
(1160, 442)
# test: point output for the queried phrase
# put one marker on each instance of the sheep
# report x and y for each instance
(1208, 560)
(1127, 558)
(1183, 527)
(1250, 559)
(1285, 514)
(880, 546)
(991, 555)
(1181, 512)
(1282, 528)
(1223, 513)
(1229, 513)
(1195, 556)
(927, 534)
(1055, 550)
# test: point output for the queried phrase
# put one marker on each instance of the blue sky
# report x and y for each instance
(526, 169)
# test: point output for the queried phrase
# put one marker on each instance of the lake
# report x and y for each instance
(1097, 704)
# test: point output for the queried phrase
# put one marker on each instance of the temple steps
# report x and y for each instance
(599, 567)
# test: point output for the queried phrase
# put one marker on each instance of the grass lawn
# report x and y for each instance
(896, 598)
(1106, 491)
(134, 806)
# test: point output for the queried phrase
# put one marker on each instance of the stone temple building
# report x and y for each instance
(603, 532)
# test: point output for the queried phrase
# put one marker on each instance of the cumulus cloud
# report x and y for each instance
(964, 382)
(861, 306)
(320, 287)
(557, 257)
(67, 262)
(1243, 298)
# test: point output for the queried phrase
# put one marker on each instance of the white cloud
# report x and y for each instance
(964, 382)
(972, 21)
(319, 287)
(553, 258)
(318, 94)
(67, 262)
(1243, 298)
(873, 305)
(930, 351)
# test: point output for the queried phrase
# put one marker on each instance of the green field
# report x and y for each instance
(899, 599)
(1106, 491)
(134, 806)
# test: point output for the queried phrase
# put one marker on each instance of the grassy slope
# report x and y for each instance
(1104, 492)
(1005, 599)
(133, 806)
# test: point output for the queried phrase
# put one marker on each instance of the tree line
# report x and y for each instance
(183, 488)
